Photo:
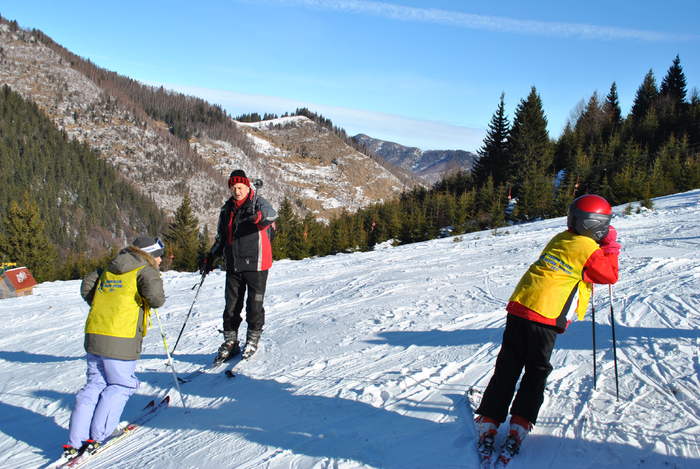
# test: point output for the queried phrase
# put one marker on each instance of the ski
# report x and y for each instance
(232, 364)
(204, 369)
(510, 448)
(149, 411)
(212, 368)
(484, 454)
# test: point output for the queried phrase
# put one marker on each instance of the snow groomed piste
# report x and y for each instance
(366, 359)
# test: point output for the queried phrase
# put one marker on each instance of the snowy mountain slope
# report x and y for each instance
(365, 359)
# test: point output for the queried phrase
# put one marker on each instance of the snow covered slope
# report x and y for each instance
(365, 359)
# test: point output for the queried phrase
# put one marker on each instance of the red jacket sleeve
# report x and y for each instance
(601, 268)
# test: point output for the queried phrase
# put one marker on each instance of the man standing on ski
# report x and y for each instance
(120, 298)
(243, 238)
(554, 289)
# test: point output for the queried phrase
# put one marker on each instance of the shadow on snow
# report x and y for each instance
(271, 414)
(577, 337)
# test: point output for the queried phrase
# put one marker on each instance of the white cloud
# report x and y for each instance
(490, 23)
(427, 135)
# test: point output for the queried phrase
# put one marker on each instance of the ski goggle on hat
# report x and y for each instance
(153, 246)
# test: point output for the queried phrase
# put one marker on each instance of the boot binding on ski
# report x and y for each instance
(251, 343)
(227, 351)
(487, 429)
(70, 452)
(90, 447)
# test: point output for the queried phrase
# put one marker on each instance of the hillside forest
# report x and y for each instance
(522, 175)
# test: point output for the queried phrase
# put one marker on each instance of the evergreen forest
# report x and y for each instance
(74, 204)
(59, 201)
(523, 174)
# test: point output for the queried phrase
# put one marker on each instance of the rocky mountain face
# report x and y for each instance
(295, 157)
(308, 163)
(141, 149)
(430, 165)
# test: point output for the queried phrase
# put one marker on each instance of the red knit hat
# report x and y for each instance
(238, 177)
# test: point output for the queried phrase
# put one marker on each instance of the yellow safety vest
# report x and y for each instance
(552, 283)
(116, 306)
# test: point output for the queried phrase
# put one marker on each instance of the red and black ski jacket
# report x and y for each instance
(243, 234)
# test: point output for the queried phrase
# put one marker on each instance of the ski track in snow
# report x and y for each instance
(366, 357)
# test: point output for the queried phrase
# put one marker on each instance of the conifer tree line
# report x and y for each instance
(653, 151)
(59, 202)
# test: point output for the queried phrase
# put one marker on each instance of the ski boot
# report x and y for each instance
(90, 447)
(69, 452)
(486, 430)
(519, 428)
(229, 349)
(251, 343)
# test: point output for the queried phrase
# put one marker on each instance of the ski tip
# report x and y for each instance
(230, 374)
(152, 403)
(166, 400)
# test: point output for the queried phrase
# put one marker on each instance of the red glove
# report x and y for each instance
(610, 237)
(609, 245)
(612, 248)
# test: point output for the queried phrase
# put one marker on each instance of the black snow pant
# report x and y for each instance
(236, 284)
(525, 344)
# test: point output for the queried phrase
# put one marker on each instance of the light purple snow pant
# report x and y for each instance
(99, 404)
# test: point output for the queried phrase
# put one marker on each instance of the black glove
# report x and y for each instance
(250, 216)
(206, 265)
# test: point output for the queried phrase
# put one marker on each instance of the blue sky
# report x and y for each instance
(420, 73)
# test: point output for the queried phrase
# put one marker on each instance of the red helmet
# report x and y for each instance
(589, 215)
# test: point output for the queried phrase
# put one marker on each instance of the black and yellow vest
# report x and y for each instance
(116, 306)
(552, 284)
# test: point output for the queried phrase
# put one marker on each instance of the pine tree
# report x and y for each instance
(612, 111)
(645, 98)
(204, 243)
(589, 125)
(493, 154)
(565, 150)
(672, 106)
(530, 151)
(25, 241)
(286, 222)
(183, 238)
(673, 86)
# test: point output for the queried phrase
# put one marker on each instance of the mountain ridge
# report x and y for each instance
(139, 130)
(430, 165)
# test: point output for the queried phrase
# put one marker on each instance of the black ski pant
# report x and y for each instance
(526, 344)
(236, 285)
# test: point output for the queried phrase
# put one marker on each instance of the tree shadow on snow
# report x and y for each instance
(553, 451)
(36, 430)
(577, 337)
(438, 338)
(271, 414)
(28, 357)
(67, 400)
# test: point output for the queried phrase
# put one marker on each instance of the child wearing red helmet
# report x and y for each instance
(554, 289)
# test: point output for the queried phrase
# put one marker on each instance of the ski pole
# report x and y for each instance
(593, 329)
(612, 324)
(170, 360)
(204, 275)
